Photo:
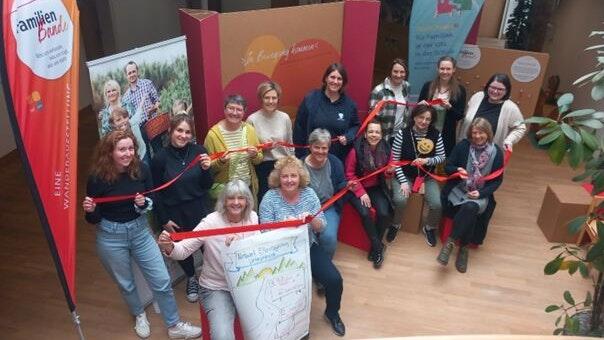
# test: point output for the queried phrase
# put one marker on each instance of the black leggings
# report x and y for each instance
(379, 201)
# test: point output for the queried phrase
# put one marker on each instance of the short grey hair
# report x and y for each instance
(319, 136)
(235, 99)
(234, 188)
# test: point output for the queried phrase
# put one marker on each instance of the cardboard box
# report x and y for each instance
(413, 214)
(562, 203)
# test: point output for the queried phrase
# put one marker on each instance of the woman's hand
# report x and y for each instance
(508, 147)
(419, 161)
(405, 189)
(315, 223)
(252, 151)
(463, 174)
(268, 144)
(230, 238)
(204, 161)
(446, 104)
(88, 204)
(225, 157)
(352, 184)
(139, 200)
(365, 201)
(342, 139)
(473, 194)
(165, 243)
(171, 227)
(423, 102)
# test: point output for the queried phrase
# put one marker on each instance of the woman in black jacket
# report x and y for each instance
(181, 206)
(465, 200)
(453, 95)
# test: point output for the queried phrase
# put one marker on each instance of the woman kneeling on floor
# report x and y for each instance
(467, 198)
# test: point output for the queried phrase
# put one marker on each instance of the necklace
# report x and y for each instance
(182, 155)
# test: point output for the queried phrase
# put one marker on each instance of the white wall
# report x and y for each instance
(573, 21)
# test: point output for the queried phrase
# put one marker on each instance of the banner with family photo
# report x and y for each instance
(270, 280)
(140, 89)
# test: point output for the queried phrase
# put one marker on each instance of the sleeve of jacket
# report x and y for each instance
(457, 159)
(355, 123)
(253, 141)
(206, 180)
(423, 94)
(211, 144)
(338, 179)
(458, 108)
(300, 130)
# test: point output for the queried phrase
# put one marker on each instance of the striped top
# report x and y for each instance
(238, 161)
(398, 145)
(275, 208)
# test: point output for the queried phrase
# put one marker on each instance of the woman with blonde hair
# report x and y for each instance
(291, 197)
(112, 97)
(271, 125)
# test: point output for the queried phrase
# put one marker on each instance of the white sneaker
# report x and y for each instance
(184, 330)
(141, 327)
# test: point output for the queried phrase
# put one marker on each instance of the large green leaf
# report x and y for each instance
(570, 133)
(583, 270)
(585, 77)
(589, 139)
(539, 120)
(594, 47)
(598, 115)
(568, 298)
(591, 123)
(588, 299)
(553, 266)
(576, 154)
(598, 181)
(558, 331)
(557, 150)
(572, 267)
(551, 308)
(551, 137)
(597, 93)
(576, 224)
(596, 251)
(583, 176)
(547, 130)
(565, 99)
(580, 113)
(598, 264)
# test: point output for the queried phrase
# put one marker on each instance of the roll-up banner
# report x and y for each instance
(40, 56)
(437, 28)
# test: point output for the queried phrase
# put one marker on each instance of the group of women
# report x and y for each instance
(280, 185)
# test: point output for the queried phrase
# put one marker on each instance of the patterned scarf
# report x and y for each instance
(480, 154)
(369, 160)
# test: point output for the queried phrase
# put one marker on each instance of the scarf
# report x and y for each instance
(480, 156)
(370, 161)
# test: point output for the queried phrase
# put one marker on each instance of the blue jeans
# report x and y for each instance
(221, 312)
(117, 243)
(328, 239)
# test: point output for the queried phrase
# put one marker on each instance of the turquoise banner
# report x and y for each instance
(437, 28)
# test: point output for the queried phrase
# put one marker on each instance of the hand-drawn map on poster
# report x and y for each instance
(270, 280)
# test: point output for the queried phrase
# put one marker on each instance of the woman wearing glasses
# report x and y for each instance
(494, 105)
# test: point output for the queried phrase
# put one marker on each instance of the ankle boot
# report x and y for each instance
(461, 262)
(378, 257)
(445, 252)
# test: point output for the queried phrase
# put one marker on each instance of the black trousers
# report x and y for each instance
(188, 215)
(379, 201)
(262, 171)
(326, 273)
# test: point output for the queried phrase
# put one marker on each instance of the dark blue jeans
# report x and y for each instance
(325, 273)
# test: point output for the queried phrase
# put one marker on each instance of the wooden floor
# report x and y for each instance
(504, 291)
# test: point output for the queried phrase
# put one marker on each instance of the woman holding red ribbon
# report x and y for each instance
(370, 153)
(422, 145)
(292, 198)
(331, 109)
(233, 208)
(230, 134)
(271, 126)
(452, 94)
(123, 233)
(466, 199)
(392, 116)
(494, 104)
(182, 205)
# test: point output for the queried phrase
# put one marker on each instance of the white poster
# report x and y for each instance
(270, 280)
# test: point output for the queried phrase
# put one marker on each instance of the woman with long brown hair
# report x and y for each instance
(123, 233)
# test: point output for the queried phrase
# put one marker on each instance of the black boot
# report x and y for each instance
(378, 256)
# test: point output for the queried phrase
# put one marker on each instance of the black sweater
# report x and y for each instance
(121, 211)
(453, 115)
(193, 184)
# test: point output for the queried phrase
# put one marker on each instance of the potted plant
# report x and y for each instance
(574, 135)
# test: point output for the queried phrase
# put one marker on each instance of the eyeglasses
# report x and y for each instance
(497, 89)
